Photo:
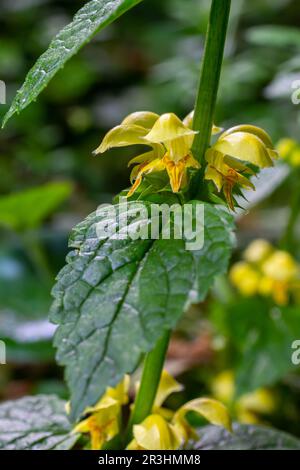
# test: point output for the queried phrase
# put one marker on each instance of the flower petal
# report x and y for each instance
(260, 133)
(168, 127)
(155, 165)
(188, 121)
(212, 410)
(175, 172)
(158, 152)
(179, 148)
(191, 162)
(167, 386)
(213, 175)
(246, 147)
(154, 433)
(144, 119)
(121, 136)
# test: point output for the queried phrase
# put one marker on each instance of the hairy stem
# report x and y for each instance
(210, 76)
(153, 365)
(203, 120)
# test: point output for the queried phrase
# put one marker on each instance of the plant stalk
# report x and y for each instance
(203, 121)
(210, 77)
(152, 370)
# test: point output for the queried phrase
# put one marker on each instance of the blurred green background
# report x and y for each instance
(148, 60)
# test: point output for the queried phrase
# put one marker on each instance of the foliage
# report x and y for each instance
(35, 423)
(148, 59)
(27, 209)
(246, 437)
(114, 311)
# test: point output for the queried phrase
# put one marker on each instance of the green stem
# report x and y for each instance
(153, 366)
(203, 120)
(210, 77)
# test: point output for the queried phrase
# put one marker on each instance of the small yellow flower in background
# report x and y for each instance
(257, 251)
(266, 271)
(103, 421)
(245, 278)
(281, 266)
(289, 150)
(248, 407)
(171, 431)
(229, 158)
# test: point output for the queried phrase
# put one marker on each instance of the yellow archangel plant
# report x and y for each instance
(163, 429)
(171, 142)
(289, 150)
(104, 419)
(248, 407)
(267, 271)
(229, 158)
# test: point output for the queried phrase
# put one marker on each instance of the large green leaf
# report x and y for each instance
(35, 423)
(27, 209)
(90, 19)
(245, 437)
(114, 298)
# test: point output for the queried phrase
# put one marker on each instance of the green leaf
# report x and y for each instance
(263, 337)
(245, 437)
(35, 423)
(115, 297)
(90, 19)
(27, 209)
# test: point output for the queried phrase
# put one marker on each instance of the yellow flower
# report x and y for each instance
(258, 251)
(281, 266)
(282, 275)
(167, 386)
(103, 421)
(248, 407)
(266, 271)
(245, 278)
(170, 431)
(229, 158)
(154, 433)
(289, 150)
(170, 140)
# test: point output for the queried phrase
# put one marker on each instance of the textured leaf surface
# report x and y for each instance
(245, 437)
(27, 209)
(114, 298)
(35, 423)
(90, 19)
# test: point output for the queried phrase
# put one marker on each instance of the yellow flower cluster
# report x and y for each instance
(229, 158)
(289, 150)
(161, 430)
(171, 141)
(247, 408)
(266, 271)
(103, 421)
